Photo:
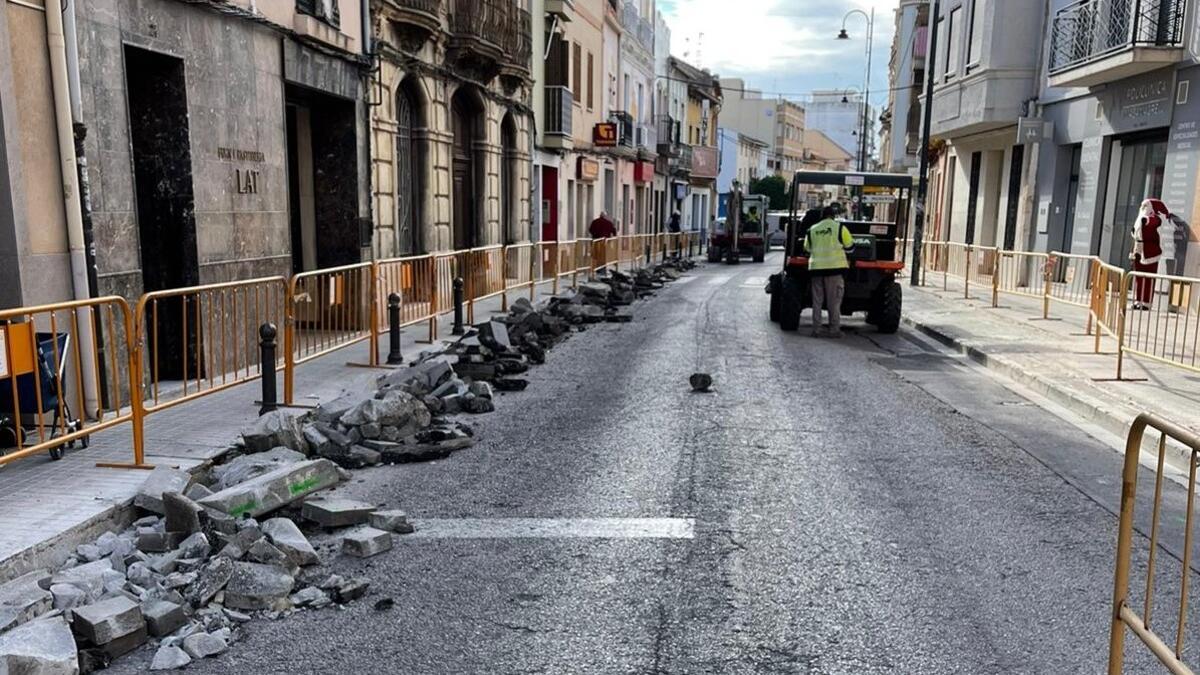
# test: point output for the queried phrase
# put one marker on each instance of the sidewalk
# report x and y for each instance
(47, 507)
(1055, 357)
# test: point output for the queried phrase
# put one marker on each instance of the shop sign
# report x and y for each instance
(1031, 130)
(1142, 102)
(604, 135)
(643, 172)
(245, 179)
(588, 169)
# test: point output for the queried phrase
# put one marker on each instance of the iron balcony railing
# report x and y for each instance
(431, 7)
(624, 123)
(558, 111)
(1087, 30)
(684, 161)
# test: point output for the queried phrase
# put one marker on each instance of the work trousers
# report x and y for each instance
(827, 292)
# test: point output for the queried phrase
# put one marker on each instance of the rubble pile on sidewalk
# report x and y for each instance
(217, 547)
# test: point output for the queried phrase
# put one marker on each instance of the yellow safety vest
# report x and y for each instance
(827, 243)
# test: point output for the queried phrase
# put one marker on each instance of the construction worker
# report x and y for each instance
(827, 243)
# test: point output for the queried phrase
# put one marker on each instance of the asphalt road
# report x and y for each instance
(865, 505)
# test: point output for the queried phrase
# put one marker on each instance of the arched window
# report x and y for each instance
(408, 174)
(509, 199)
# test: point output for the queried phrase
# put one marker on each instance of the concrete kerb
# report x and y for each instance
(1115, 421)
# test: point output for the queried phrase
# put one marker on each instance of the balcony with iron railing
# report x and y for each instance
(559, 106)
(493, 36)
(667, 130)
(425, 14)
(1097, 41)
(682, 161)
(624, 122)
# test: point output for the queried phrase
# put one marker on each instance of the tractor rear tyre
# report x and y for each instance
(760, 254)
(789, 305)
(887, 313)
(775, 302)
(714, 253)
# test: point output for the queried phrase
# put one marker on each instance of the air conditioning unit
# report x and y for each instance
(643, 136)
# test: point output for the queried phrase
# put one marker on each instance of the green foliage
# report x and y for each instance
(774, 187)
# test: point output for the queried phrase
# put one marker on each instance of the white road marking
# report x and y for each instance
(553, 528)
(757, 282)
(717, 281)
(683, 280)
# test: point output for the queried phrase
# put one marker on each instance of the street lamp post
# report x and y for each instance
(923, 160)
(866, 107)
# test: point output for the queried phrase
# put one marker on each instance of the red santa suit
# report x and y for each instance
(1147, 249)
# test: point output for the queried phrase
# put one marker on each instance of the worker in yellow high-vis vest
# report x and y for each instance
(827, 243)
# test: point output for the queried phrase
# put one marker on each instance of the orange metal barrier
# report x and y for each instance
(1108, 302)
(483, 275)
(1022, 273)
(520, 269)
(1161, 320)
(1123, 613)
(414, 279)
(583, 257)
(199, 340)
(45, 387)
(1069, 279)
(328, 309)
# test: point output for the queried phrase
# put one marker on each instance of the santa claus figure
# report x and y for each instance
(1147, 248)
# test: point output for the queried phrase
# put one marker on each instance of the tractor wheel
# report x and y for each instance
(775, 302)
(760, 254)
(714, 253)
(789, 305)
(887, 312)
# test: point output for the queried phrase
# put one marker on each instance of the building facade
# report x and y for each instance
(983, 84)
(1118, 124)
(450, 121)
(839, 115)
(779, 121)
(900, 122)
(695, 168)
(742, 158)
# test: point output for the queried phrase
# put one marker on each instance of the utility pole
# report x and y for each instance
(926, 123)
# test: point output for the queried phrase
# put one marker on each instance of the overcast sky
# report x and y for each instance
(783, 46)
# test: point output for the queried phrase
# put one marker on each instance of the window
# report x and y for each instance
(975, 37)
(591, 77)
(953, 42)
(576, 66)
(325, 10)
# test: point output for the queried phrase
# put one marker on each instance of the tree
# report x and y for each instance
(774, 187)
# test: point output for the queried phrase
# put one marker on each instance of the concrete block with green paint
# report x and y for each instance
(275, 489)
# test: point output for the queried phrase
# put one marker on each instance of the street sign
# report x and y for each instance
(854, 180)
(1030, 130)
(878, 199)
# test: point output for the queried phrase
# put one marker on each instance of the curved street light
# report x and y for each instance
(843, 34)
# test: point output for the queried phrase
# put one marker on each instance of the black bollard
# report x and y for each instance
(394, 356)
(267, 355)
(458, 308)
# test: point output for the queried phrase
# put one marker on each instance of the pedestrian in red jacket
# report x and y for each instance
(602, 227)
(1147, 249)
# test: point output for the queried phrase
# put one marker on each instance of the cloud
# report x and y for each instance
(783, 46)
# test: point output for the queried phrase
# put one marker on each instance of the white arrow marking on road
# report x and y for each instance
(553, 528)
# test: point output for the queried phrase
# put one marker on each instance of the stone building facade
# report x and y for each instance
(451, 125)
(226, 142)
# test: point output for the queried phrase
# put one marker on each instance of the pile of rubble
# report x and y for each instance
(220, 545)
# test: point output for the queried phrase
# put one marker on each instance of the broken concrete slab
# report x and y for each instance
(275, 489)
(332, 411)
(357, 457)
(107, 620)
(254, 586)
(163, 617)
(197, 491)
(170, 657)
(182, 514)
(481, 389)
(264, 552)
(273, 430)
(67, 596)
(245, 467)
(42, 647)
(91, 577)
(195, 546)
(212, 579)
(158, 542)
(161, 479)
(286, 536)
(204, 645)
(365, 542)
(311, 597)
(347, 590)
(23, 599)
(336, 512)
(391, 521)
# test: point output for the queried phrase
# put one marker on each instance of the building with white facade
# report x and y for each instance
(839, 115)
(900, 122)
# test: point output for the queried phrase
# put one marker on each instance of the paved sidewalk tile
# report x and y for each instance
(1055, 357)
